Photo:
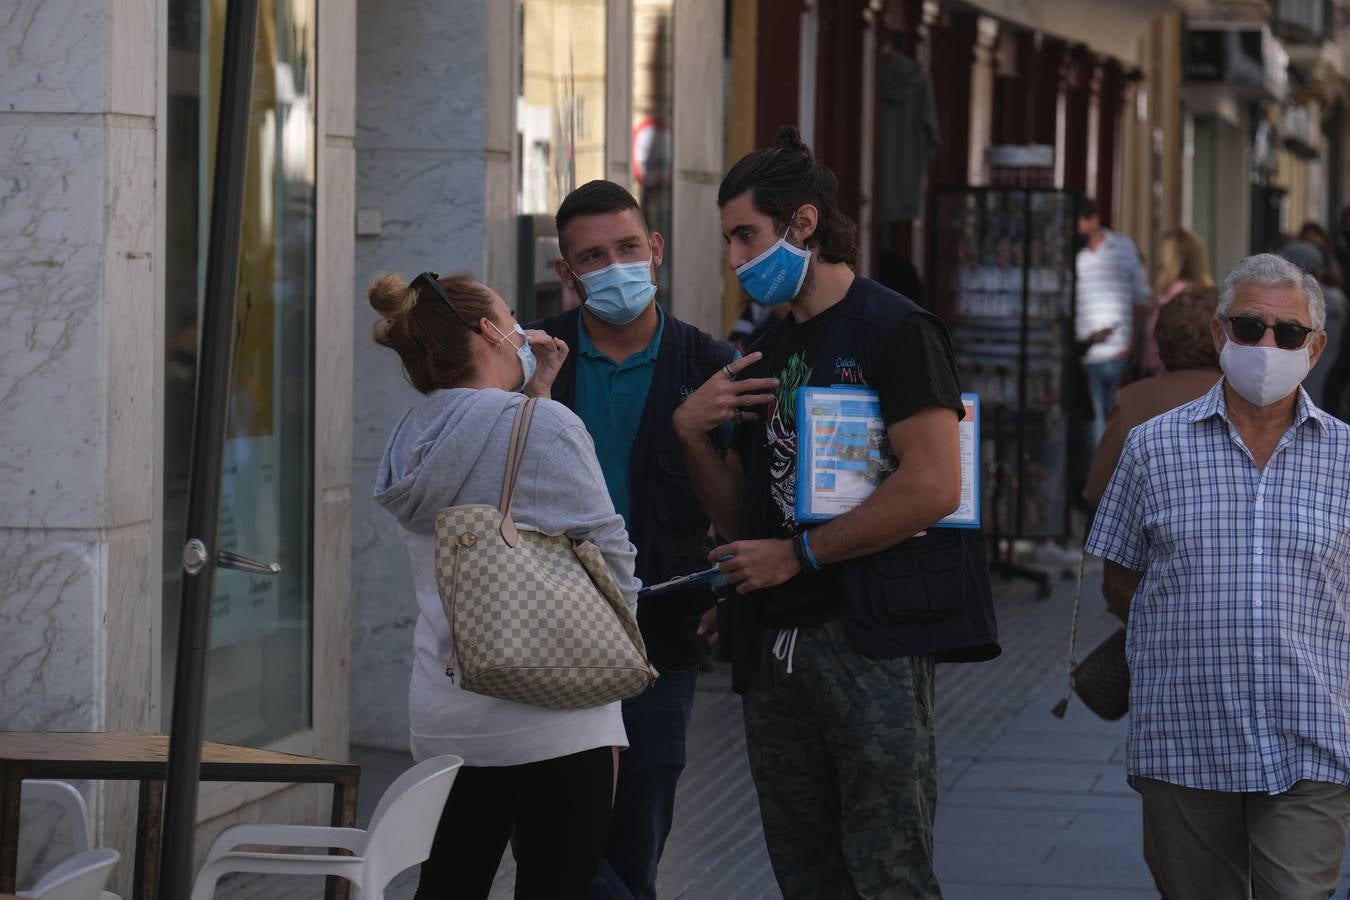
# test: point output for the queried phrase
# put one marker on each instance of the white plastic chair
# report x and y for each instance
(81, 877)
(399, 836)
(73, 809)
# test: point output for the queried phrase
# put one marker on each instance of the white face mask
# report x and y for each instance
(1263, 375)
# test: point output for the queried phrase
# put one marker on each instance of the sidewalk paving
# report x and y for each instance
(1030, 806)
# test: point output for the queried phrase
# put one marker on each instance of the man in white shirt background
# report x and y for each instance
(1113, 294)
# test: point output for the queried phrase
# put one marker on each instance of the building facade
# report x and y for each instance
(108, 120)
(1227, 117)
(451, 127)
(411, 135)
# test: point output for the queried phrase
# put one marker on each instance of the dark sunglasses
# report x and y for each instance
(432, 280)
(1250, 330)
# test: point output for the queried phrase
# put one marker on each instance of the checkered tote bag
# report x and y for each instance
(533, 618)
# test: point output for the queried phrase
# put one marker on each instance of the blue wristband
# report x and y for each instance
(810, 557)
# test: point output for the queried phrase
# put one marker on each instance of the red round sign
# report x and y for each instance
(652, 152)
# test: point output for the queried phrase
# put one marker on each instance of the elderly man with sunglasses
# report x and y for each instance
(1226, 534)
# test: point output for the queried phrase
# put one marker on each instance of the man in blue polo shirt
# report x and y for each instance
(609, 399)
(630, 365)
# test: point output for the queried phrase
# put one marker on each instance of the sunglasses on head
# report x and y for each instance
(1250, 330)
(432, 280)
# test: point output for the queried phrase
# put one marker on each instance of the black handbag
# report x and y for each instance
(1102, 679)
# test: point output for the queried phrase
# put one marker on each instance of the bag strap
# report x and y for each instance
(520, 433)
(1062, 706)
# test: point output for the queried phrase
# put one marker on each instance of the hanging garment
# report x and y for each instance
(909, 137)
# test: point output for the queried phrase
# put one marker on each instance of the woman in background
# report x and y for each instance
(1182, 262)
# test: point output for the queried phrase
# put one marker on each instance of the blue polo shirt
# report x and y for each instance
(610, 398)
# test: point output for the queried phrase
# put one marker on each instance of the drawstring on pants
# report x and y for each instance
(785, 645)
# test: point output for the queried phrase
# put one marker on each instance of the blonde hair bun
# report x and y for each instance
(391, 296)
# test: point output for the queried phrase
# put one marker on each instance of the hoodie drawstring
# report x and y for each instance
(785, 645)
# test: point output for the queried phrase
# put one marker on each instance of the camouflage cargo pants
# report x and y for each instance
(843, 757)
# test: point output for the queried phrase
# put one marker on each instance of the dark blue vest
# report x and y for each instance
(666, 523)
(928, 594)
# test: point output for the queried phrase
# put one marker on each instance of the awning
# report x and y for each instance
(1110, 27)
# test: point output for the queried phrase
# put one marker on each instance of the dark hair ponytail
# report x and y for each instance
(782, 178)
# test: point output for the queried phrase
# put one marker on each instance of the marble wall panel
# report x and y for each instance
(433, 219)
(337, 46)
(433, 212)
(333, 379)
(697, 277)
(51, 655)
(332, 624)
(443, 188)
(384, 611)
(696, 281)
(133, 44)
(422, 74)
(333, 328)
(117, 829)
(698, 87)
(53, 56)
(619, 94)
(51, 396)
(131, 626)
(380, 395)
(500, 246)
(130, 337)
(131, 634)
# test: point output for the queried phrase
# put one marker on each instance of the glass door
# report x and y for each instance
(258, 676)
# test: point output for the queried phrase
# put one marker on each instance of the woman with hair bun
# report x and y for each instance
(546, 775)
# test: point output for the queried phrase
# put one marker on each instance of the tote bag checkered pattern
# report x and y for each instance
(533, 618)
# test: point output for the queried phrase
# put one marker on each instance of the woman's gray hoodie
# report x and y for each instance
(450, 450)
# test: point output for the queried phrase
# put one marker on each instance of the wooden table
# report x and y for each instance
(129, 756)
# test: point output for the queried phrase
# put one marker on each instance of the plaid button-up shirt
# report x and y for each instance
(1239, 635)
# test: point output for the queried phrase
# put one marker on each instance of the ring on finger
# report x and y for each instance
(726, 370)
(737, 416)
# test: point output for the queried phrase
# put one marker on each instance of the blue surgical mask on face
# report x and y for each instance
(527, 361)
(619, 293)
(776, 275)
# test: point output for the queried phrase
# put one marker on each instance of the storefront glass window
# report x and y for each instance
(653, 112)
(560, 113)
(258, 677)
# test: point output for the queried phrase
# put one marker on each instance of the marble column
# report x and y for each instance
(696, 236)
(80, 332)
(431, 150)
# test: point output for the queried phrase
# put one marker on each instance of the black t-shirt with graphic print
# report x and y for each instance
(918, 371)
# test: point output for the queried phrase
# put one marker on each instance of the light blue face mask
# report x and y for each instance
(619, 293)
(527, 361)
(776, 275)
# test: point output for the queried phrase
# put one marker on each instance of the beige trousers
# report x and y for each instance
(1216, 845)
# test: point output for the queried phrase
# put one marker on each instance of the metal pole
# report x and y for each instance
(208, 439)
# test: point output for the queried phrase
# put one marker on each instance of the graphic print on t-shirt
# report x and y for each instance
(782, 435)
(781, 429)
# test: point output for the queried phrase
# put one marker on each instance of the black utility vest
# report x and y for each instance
(666, 523)
(928, 594)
